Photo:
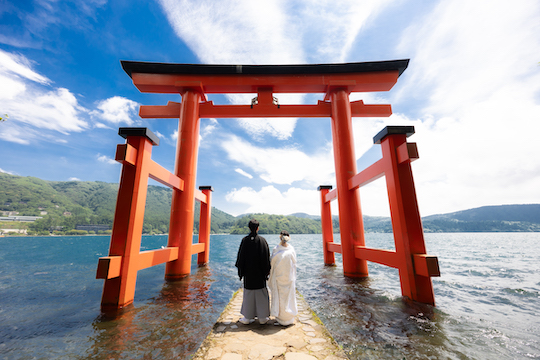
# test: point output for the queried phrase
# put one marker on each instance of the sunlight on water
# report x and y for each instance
(487, 300)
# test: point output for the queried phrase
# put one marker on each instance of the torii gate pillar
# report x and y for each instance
(350, 216)
(183, 202)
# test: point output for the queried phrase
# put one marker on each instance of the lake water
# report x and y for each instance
(488, 300)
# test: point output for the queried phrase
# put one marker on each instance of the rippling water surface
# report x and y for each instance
(488, 300)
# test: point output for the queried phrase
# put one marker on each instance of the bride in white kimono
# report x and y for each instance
(282, 282)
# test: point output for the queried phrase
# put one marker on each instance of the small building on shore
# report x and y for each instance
(20, 218)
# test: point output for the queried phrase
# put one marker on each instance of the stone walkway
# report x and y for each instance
(307, 339)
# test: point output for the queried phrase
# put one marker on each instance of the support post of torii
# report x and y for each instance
(183, 202)
(350, 215)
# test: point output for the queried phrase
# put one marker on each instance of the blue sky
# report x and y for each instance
(472, 91)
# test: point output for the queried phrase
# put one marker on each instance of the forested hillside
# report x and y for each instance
(64, 205)
(67, 204)
(273, 224)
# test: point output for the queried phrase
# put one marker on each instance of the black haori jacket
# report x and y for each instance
(253, 262)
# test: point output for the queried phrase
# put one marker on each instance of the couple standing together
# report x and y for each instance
(256, 266)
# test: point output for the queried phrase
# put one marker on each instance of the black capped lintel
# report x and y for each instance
(139, 131)
(393, 130)
(212, 69)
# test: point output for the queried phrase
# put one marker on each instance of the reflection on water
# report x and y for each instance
(172, 325)
(370, 324)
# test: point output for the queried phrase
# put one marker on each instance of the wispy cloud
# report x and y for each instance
(25, 96)
(46, 15)
(6, 172)
(33, 104)
(207, 130)
(270, 32)
(105, 159)
(99, 125)
(14, 133)
(273, 201)
(116, 110)
(159, 135)
(281, 165)
(243, 173)
(328, 29)
(19, 66)
(56, 110)
(480, 80)
(225, 32)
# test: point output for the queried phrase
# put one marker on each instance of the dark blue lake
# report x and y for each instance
(488, 300)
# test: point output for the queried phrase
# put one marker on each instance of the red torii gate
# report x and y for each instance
(193, 82)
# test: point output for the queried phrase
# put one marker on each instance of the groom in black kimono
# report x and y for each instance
(253, 263)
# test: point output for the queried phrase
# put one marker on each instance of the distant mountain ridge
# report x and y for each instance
(526, 212)
(494, 218)
(66, 204)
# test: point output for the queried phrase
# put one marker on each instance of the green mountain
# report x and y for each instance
(273, 224)
(64, 205)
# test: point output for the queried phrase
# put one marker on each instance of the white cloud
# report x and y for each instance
(11, 87)
(272, 201)
(14, 133)
(6, 172)
(99, 125)
(116, 110)
(105, 159)
(159, 135)
(56, 110)
(21, 67)
(281, 165)
(494, 44)
(206, 131)
(242, 172)
(225, 32)
(31, 106)
(270, 32)
(480, 78)
(328, 29)
(258, 128)
(44, 15)
(74, 179)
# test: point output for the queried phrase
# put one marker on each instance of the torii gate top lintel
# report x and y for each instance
(219, 79)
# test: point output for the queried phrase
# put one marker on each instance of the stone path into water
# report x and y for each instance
(307, 339)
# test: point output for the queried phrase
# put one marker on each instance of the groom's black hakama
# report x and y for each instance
(253, 263)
